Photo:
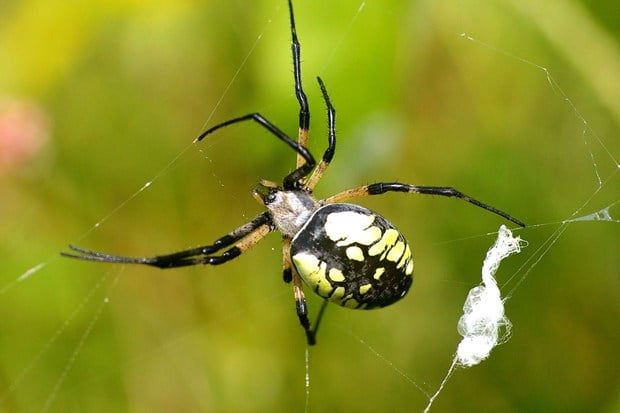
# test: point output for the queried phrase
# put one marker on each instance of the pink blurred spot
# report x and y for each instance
(24, 131)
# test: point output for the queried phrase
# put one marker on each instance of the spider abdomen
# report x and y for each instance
(353, 257)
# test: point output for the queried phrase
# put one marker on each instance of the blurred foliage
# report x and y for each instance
(126, 85)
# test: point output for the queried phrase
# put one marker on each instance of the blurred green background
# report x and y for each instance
(99, 98)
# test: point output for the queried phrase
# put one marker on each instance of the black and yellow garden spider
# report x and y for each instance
(345, 253)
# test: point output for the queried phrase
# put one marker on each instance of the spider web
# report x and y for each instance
(501, 101)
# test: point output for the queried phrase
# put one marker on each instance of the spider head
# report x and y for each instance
(265, 191)
(289, 209)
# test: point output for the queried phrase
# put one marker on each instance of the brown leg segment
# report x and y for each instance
(302, 139)
(287, 265)
(331, 138)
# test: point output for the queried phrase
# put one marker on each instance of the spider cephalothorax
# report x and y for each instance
(346, 254)
(289, 210)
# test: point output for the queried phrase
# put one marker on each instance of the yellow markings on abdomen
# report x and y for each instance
(364, 288)
(388, 239)
(338, 294)
(355, 253)
(313, 271)
(390, 248)
(396, 251)
(409, 269)
(348, 227)
(406, 257)
(306, 263)
(336, 275)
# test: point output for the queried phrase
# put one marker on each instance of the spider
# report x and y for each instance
(345, 253)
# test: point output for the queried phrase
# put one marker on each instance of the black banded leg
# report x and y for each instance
(302, 309)
(290, 181)
(383, 187)
(244, 237)
(304, 109)
(331, 139)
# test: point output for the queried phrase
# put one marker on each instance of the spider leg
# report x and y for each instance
(331, 138)
(244, 237)
(304, 109)
(301, 308)
(287, 265)
(383, 187)
(291, 180)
